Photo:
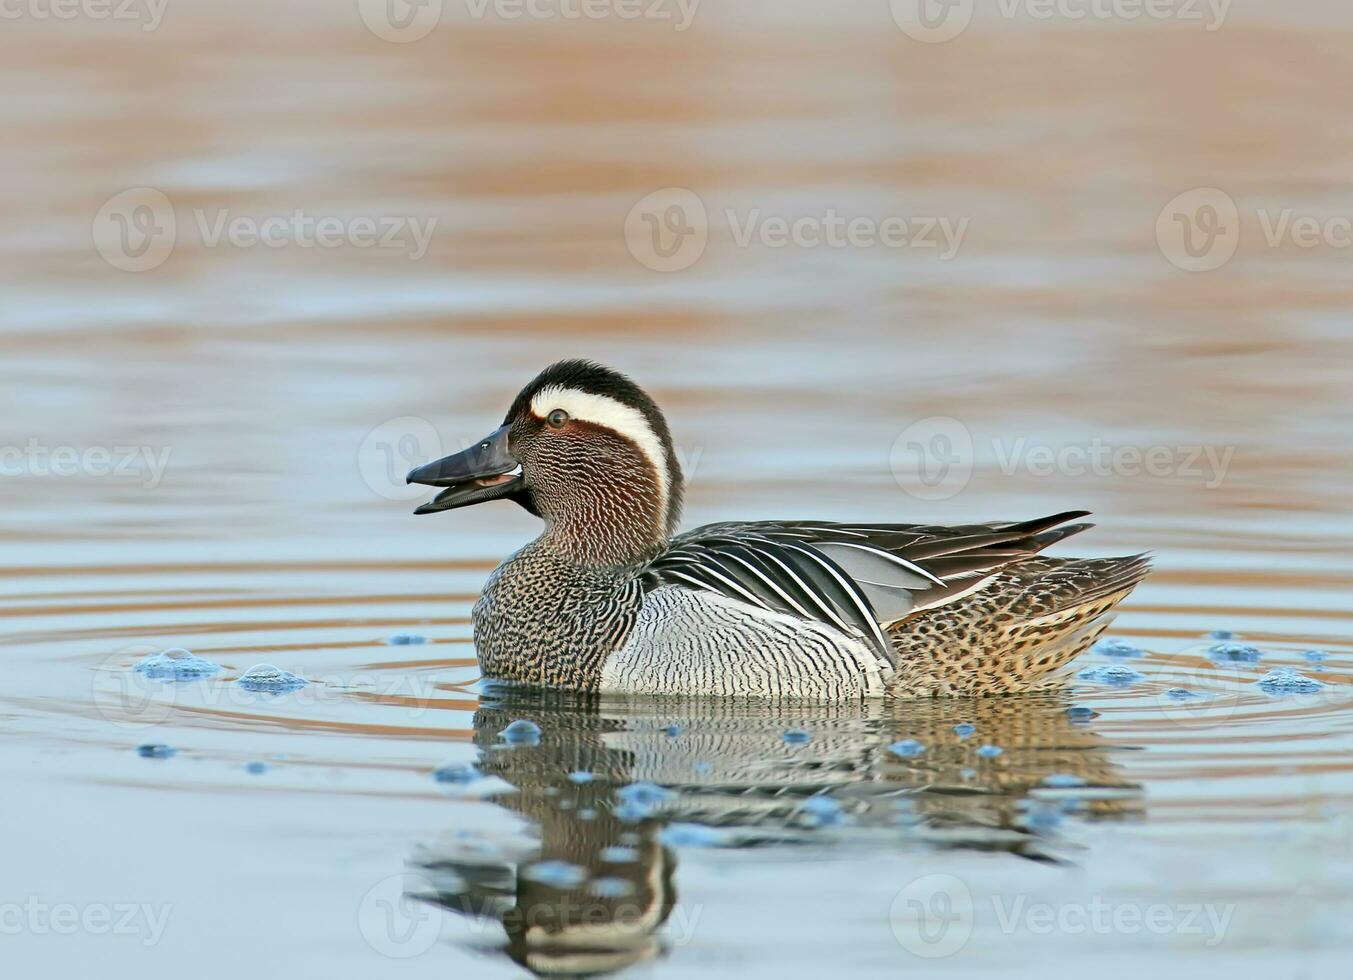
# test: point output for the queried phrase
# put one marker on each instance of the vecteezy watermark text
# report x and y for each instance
(405, 21)
(934, 916)
(395, 232)
(937, 21)
(148, 13)
(34, 458)
(1208, 14)
(669, 229)
(129, 698)
(137, 230)
(833, 230)
(934, 458)
(39, 918)
(1208, 464)
(681, 13)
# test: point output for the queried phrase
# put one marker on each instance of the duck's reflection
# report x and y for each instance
(613, 785)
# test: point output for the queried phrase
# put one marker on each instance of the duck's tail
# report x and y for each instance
(1019, 632)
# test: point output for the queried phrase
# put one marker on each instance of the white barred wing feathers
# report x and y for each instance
(857, 578)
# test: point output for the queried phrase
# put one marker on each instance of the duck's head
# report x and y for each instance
(582, 447)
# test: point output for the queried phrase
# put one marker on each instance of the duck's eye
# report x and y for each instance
(558, 418)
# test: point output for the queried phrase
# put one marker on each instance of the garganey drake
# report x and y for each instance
(610, 598)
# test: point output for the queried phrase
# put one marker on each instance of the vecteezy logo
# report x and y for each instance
(932, 21)
(1203, 692)
(932, 459)
(395, 921)
(393, 448)
(135, 230)
(932, 916)
(667, 231)
(1199, 230)
(400, 21)
(128, 698)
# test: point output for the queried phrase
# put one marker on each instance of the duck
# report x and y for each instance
(612, 599)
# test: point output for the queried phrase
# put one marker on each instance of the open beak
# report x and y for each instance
(486, 471)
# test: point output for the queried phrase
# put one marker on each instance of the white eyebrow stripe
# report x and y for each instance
(616, 416)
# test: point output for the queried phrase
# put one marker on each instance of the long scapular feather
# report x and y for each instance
(855, 599)
(868, 564)
(854, 578)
